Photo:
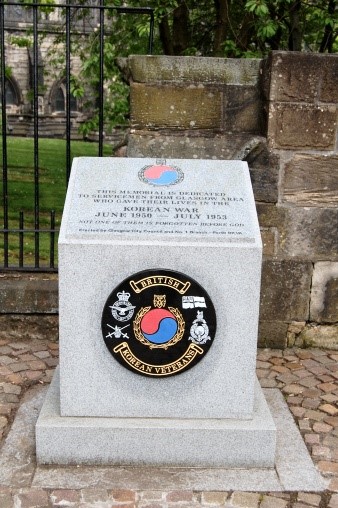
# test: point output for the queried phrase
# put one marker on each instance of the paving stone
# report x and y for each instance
(309, 382)
(329, 409)
(263, 365)
(214, 498)
(11, 388)
(315, 415)
(18, 367)
(303, 354)
(323, 452)
(292, 400)
(5, 409)
(330, 441)
(65, 497)
(287, 378)
(26, 357)
(180, 496)
(245, 499)
(331, 420)
(324, 378)
(317, 371)
(6, 500)
(18, 345)
(310, 499)
(280, 368)
(5, 350)
(14, 378)
(93, 496)
(152, 495)
(326, 466)
(310, 403)
(322, 427)
(297, 411)
(333, 485)
(52, 362)
(273, 502)
(304, 424)
(293, 389)
(3, 422)
(312, 439)
(327, 387)
(301, 373)
(5, 371)
(42, 354)
(36, 365)
(6, 360)
(33, 374)
(277, 361)
(123, 496)
(333, 501)
(268, 383)
(34, 498)
(329, 397)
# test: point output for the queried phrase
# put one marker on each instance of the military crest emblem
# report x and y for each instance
(151, 326)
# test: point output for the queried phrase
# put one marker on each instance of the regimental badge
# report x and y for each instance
(122, 310)
(151, 326)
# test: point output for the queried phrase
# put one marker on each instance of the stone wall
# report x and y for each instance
(280, 115)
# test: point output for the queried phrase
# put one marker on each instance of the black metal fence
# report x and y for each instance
(13, 236)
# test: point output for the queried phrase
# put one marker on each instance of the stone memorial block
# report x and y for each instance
(159, 281)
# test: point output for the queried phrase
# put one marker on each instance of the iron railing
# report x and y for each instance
(34, 263)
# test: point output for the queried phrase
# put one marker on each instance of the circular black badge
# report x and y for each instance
(158, 323)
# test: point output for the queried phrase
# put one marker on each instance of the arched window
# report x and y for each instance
(58, 101)
(12, 96)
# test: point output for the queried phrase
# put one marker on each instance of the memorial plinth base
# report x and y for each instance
(155, 441)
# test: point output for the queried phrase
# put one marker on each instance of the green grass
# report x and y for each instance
(52, 188)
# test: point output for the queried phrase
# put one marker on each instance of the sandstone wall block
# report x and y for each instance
(159, 69)
(264, 171)
(329, 89)
(324, 336)
(297, 76)
(285, 290)
(310, 233)
(28, 295)
(269, 241)
(272, 334)
(311, 180)
(302, 126)
(190, 144)
(191, 107)
(243, 109)
(270, 216)
(324, 293)
(29, 326)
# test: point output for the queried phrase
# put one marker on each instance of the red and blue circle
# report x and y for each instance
(158, 326)
(161, 175)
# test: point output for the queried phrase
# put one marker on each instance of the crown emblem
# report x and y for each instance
(123, 297)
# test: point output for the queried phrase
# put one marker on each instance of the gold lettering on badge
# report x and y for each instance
(158, 370)
(160, 280)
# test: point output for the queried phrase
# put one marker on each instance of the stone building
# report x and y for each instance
(19, 61)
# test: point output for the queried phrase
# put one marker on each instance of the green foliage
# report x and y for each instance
(21, 42)
(223, 28)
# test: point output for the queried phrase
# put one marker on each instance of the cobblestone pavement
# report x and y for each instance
(308, 379)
